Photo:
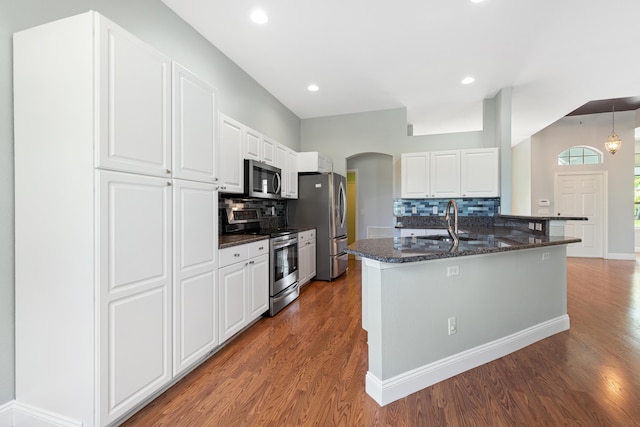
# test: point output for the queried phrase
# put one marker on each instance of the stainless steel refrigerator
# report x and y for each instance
(322, 203)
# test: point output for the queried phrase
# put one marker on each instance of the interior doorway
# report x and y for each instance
(352, 207)
(583, 194)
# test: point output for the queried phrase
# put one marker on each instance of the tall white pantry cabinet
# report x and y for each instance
(116, 221)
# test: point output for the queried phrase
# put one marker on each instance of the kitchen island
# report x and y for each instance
(434, 309)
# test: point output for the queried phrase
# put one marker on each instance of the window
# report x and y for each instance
(580, 155)
(636, 186)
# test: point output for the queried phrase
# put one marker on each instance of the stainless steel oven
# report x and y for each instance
(283, 283)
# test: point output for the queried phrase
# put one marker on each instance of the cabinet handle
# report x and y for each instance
(261, 248)
(168, 183)
(251, 262)
(168, 172)
(236, 255)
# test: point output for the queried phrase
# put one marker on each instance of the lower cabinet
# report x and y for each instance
(306, 256)
(243, 286)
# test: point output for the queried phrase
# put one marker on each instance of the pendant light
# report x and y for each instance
(613, 143)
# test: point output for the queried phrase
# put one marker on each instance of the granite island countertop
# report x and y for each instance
(476, 242)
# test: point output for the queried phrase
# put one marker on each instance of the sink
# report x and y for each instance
(445, 238)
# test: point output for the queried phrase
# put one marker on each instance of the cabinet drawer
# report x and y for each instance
(258, 248)
(228, 256)
(307, 235)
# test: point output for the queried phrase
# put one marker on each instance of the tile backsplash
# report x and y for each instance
(466, 207)
(273, 212)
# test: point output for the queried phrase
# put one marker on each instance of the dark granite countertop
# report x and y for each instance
(543, 218)
(425, 248)
(229, 240)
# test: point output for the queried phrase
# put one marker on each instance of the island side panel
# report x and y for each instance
(492, 297)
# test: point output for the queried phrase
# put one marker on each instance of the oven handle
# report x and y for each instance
(285, 294)
(285, 243)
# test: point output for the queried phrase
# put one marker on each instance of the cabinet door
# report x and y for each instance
(230, 166)
(445, 173)
(195, 253)
(194, 127)
(303, 262)
(134, 276)
(480, 172)
(268, 151)
(233, 296)
(134, 97)
(415, 175)
(291, 174)
(312, 259)
(258, 286)
(253, 145)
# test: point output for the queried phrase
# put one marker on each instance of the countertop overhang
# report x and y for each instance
(475, 242)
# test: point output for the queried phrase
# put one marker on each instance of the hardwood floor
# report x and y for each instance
(307, 365)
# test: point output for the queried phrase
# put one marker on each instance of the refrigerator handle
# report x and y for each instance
(342, 205)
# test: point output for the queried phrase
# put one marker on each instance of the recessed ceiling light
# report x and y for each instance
(313, 88)
(468, 80)
(259, 17)
(477, 1)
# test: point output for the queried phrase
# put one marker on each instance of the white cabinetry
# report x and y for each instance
(415, 175)
(194, 127)
(287, 161)
(109, 247)
(312, 161)
(306, 256)
(448, 174)
(244, 286)
(195, 292)
(231, 165)
(445, 174)
(480, 173)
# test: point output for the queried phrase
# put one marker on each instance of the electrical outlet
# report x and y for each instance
(453, 325)
(402, 210)
(539, 226)
(453, 270)
(435, 210)
(532, 226)
(414, 210)
(545, 256)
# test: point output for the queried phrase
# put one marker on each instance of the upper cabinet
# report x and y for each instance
(194, 127)
(135, 83)
(452, 173)
(480, 172)
(312, 161)
(230, 175)
(445, 174)
(415, 175)
(287, 161)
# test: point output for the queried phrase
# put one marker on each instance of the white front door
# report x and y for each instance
(582, 195)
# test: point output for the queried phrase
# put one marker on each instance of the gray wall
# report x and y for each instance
(374, 191)
(239, 96)
(591, 130)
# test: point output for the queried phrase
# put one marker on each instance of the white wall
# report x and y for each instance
(238, 95)
(374, 191)
(521, 178)
(590, 130)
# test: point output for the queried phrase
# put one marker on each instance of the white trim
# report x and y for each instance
(14, 413)
(6, 414)
(620, 256)
(392, 389)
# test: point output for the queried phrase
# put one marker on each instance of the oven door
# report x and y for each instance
(284, 263)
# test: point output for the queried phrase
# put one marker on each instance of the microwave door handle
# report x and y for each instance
(276, 177)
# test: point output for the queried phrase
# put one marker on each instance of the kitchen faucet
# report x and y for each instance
(453, 233)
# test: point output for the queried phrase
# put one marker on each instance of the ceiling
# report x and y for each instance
(376, 55)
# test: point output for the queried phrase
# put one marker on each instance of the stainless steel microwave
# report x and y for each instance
(261, 180)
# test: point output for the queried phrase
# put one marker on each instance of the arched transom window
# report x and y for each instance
(580, 155)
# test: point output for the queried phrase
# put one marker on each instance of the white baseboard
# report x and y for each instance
(623, 257)
(6, 414)
(392, 389)
(16, 414)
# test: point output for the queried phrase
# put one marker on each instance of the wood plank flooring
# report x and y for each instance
(307, 365)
